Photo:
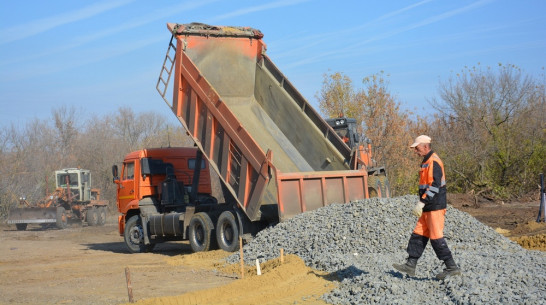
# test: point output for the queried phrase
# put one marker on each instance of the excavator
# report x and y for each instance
(361, 152)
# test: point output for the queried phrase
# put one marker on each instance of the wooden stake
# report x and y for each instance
(258, 268)
(129, 285)
(241, 255)
(282, 256)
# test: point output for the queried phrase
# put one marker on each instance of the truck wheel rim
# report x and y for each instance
(199, 234)
(136, 235)
(228, 233)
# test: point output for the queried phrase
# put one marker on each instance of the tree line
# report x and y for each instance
(487, 124)
(30, 154)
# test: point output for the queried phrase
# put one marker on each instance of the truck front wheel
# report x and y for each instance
(227, 232)
(62, 218)
(92, 216)
(134, 236)
(201, 231)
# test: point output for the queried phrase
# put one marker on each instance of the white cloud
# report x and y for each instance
(126, 26)
(320, 38)
(254, 9)
(42, 25)
(91, 56)
(356, 47)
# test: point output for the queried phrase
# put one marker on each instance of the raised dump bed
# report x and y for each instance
(274, 153)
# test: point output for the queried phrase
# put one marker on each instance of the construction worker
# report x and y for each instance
(430, 209)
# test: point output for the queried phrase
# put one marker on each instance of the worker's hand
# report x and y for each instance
(418, 209)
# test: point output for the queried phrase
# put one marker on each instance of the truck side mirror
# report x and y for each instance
(115, 173)
(146, 166)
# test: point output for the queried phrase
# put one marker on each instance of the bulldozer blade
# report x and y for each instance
(33, 215)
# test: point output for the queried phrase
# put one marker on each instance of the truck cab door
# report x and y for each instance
(126, 186)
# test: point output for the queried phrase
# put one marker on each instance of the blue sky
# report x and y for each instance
(101, 55)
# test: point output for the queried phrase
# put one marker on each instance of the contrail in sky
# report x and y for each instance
(394, 32)
(98, 34)
(257, 8)
(42, 25)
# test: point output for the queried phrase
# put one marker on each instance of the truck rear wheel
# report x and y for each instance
(101, 213)
(373, 189)
(378, 186)
(92, 216)
(386, 188)
(201, 231)
(134, 236)
(227, 232)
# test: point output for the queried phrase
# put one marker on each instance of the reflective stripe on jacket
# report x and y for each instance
(432, 183)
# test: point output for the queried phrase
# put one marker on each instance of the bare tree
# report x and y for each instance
(337, 96)
(387, 126)
(66, 121)
(379, 117)
(496, 126)
(30, 154)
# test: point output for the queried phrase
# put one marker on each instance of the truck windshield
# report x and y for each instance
(72, 179)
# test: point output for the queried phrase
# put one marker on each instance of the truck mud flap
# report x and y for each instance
(33, 215)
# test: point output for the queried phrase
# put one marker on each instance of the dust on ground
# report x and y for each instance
(86, 265)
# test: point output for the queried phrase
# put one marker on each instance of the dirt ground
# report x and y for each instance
(515, 220)
(86, 265)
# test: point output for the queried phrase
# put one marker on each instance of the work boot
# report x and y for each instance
(408, 267)
(450, 269)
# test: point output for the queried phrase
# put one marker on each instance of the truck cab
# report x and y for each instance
(157, 183)
(360, 145)
(78, 181)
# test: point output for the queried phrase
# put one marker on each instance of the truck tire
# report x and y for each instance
(62, 218)
(201, 232)
(373, 189)
(101, 219)
(378, 186)
(227, 232)
(92, 216)
(385, 187)
(134, 236)
(21, 226)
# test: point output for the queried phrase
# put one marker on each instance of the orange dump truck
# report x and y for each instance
(275, 156)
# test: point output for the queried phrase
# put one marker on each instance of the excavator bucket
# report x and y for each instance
(33, 215)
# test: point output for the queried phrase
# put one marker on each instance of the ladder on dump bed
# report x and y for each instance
(166, 71)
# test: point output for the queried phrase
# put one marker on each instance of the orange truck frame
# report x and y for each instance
(274, 155)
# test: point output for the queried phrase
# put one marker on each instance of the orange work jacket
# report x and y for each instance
(432, 183)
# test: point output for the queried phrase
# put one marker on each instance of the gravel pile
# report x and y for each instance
(360, 241)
